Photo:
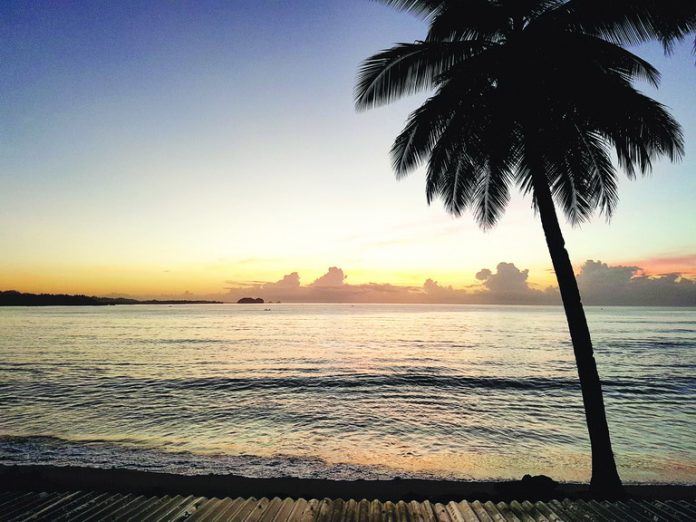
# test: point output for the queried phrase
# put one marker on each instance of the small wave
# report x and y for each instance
(366, 381)
(376, 381)
(191, 341)
(422, 381)
(360, 382)
(652, 344)
(103, 453)
(8, 440)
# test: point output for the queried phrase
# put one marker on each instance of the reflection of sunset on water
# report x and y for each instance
(343, 391)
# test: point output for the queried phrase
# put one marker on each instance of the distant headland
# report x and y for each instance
(14, 298)
(250, 300)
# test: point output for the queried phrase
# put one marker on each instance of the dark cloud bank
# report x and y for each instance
(599, 283)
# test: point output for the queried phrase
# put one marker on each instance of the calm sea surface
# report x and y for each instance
(341, 391)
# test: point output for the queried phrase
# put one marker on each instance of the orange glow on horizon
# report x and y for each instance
(655, 266)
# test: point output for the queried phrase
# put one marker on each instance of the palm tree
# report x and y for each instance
(535, 93)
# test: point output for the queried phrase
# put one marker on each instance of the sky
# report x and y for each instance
(178, 148)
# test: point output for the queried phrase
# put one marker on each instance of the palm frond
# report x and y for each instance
(492, 195)
(467, 20)
(472, 19)
(456, 185)
(595, 163)
(580, 170)
(627, 22)
(452, 172)
(420, 8)
(474, 153)
(571, 192)
(499, 143)
(609, 57)
(602, 100)
(422, 130)
(603, 185)
(452, 107)
(640, 128)
(529, 9)
(408, 68)
(565, 168)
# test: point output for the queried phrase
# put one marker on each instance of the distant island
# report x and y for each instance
(14, 298)
(250, 300)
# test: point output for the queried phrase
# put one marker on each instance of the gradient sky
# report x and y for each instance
(152, 148)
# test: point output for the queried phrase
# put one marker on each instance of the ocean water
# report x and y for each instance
(344, 391)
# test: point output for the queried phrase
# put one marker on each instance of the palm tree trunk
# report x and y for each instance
(605, 479)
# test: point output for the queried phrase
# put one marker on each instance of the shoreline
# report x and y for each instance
(61, 478)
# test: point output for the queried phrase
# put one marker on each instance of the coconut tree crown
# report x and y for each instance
(526, 86)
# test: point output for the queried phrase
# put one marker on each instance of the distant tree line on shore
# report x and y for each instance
(15, 298)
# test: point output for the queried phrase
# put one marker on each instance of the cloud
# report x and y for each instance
(436, 293)
(599, 284)
(509, 284)
(508, 279)
(433, 288)
(334, 277)
(288, 281)
(602, 284)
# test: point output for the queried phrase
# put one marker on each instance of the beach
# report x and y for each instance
(70, 478)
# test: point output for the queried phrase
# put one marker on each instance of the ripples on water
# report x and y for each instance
(341, 391)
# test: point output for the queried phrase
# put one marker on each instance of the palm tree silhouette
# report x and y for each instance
(535, 93)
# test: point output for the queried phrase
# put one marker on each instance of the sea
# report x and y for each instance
(344, 391)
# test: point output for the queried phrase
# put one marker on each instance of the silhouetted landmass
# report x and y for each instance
(14, 298)
(250, 300)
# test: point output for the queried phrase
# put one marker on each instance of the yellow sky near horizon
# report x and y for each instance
(203, 252)
(212, 279)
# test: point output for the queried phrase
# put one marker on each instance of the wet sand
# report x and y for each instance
(58, 478)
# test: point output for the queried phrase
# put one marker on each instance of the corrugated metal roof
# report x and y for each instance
(93, 506)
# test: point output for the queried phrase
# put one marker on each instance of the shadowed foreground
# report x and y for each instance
(83, 506)
(73, 493)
